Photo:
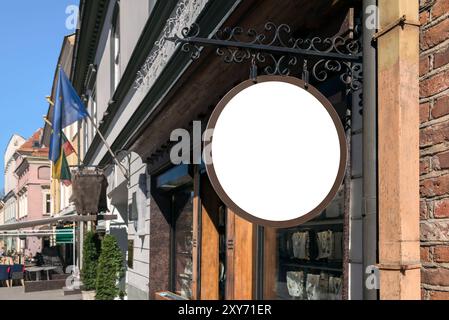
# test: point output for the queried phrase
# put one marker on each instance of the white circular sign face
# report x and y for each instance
(278, 151)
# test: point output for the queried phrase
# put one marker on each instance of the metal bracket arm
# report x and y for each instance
(266, 48)
(402, 21)
(277, 52)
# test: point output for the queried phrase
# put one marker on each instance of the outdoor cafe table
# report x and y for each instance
(38, 271)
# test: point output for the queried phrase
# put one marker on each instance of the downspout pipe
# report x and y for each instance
(369, 146)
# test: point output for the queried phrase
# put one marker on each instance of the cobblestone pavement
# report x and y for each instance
(17, 293)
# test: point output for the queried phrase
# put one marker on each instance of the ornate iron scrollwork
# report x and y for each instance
(279, 53)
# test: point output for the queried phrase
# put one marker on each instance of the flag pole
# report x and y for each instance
(74, 151)
(122, 169)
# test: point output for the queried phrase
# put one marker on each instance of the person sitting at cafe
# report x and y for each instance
(18, 259)
(39, 259)
(7, 261)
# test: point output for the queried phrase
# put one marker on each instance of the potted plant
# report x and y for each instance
(110, 270)
(91, 254)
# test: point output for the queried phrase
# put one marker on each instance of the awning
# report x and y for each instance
(70, 210)
(36, 233)
(49, 221)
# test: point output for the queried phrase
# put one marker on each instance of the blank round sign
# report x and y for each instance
(278, 151)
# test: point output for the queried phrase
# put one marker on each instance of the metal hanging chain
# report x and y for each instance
(305, 74)
(253, 70)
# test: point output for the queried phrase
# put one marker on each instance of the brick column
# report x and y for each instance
(398, 116)
(434, 166)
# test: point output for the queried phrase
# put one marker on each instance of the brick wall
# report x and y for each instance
(434, 142)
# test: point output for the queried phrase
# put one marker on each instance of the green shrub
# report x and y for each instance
(110, 270)
(91, 253)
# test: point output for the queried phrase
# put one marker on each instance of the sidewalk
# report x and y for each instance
(17, 293)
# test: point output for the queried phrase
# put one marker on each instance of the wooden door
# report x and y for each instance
(241, 257)
(210, 262)
(206, 263)
(240, 248)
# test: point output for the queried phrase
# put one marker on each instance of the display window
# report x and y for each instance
(182, 225)
(306, 262)
(175, 195)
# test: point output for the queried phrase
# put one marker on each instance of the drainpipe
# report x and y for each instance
(369, 147)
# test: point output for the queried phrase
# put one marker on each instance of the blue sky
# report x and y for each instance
(31, 35)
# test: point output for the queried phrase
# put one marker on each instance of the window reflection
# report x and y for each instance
(183, 235)
(306, 262)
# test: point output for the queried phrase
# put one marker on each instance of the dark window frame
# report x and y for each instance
(115, 47)
(170, 195)
(131, 254)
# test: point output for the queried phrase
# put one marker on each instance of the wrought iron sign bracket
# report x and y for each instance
(277, 52)
(402, 22)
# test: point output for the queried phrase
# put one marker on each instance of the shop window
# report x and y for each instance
(181, 255)
(306, 262)
(130, 254)
(174, 188)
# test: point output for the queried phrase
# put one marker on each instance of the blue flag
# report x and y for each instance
(68, 109)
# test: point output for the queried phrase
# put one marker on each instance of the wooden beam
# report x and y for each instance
(398, 121)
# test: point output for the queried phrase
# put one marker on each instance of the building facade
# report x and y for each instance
(10, 182)
(107, 78)
(60, 192)
(98, 79)
(33, 188)
(27, 183)
(2, 222)
(390, 215)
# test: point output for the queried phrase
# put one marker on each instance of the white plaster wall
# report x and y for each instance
(133, 17)
(132, 101)
(10, 164)
(103, 85)
(138, 276)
